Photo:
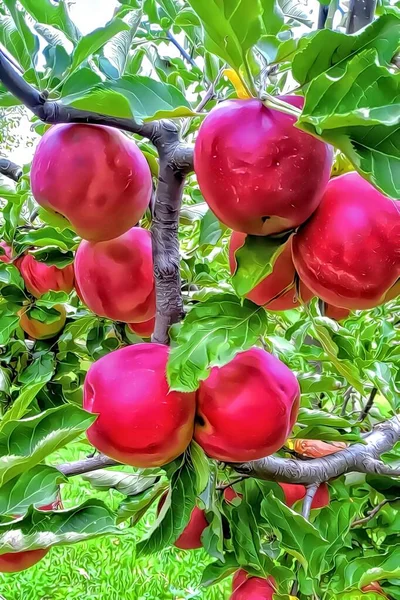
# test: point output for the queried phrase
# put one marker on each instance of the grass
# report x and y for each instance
(106, 568)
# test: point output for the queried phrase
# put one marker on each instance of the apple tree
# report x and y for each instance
(200, 275)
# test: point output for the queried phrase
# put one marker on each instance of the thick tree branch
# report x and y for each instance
(10, 169)
(361, 13)
(363, 458)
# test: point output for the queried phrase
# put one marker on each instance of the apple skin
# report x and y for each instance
(247, 408)
(94, 176)
(190, 538)
(6, 258)
(256, 171)
(40, 278)
(282, 276)
(374, 587)
(247, 587)
(336, 313)
(145, 329)
(348, 253)
(141, 421)
(42, 331)
(115, 278)
(294, 492)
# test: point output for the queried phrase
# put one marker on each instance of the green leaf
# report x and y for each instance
(218, 570)
(231, 27)
(328, 51)
(317, 417)
(77, 330)
(387, 486)
(133, 96)
(211, 334)
(44, 11)
(40, 370)
(210, 229)
(175, 513)
(30, 40)
(134, 507)
(297, 536)
(201, 466)
(39, 529)
(334, 523)
(21, 403)
(48, 236)
(313, 383)
(25, 443)
(255, 260)
(38, 486)
(116, 52)
(94, 40)
(14, 43)
(129, 484)
(293, 10)
(8, 324)
(272, 17)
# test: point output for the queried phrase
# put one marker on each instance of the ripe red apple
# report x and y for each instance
(190, 538)
(7, 256)
(374, 587)
(280, 284)
(141, 421)
(348, 253)
(94, 176)
(40, 278)
(336, 313)
(145, 329)
(115, 278)
(42, 331)
(246, 587)
(256, 171)
(294, 492)
(230, 494)
(247, 408)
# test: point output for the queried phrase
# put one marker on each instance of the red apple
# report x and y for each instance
(115, 278)
(246, 587)
(145, 329)
(348, 253)
(336, 313)
(256, 171)
(374, 587)
(230, 494)
(294, 492)
(7, 256)
(190, 538)
(280, 284)
(94, 176)
(40, 278)
(42, 331)
(247, 408)
(141, 421)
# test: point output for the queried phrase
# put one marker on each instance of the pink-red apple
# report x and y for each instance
(42, 331)
(140, 422)
(256, 171)
(294, 492)
(374, 587)
(246, 587)
(40, 278)
(190, 538)
(336, 313)
(115, 278)
(348, 253)
(94, 176)
(247, 408)
(277, 290)
(145, 329)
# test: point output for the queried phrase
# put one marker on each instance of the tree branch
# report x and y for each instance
(371, 514)
(182, 50)
(10, 169)
(369, 404)
(361, 13)
(362, 458)
(308, 499)
(79, 467)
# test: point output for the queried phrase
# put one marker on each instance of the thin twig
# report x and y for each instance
(368, 404)
(371, 514)
(346, 400)
(224, 487)
(182, 50)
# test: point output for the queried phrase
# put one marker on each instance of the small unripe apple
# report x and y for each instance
(279, 284)
(115, 278)
(7, 256)
(335, 312)
(294, 492)
(94, 176)
(247, 587)
(40, 278)
(348, 252)
(141, 422)
(257, 172)
(42, 331)
(145, 329)
(247, 408)
(190, 538)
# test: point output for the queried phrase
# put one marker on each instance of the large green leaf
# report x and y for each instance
(22, 402)
(115, 53)
(39, 529)
(231, 27)
(295, 11)
(25, 443)
(129, 484)
(95, 40)
(29, 40)
(176, 511)
(49, 13)
(8, 324)
(211, 334)
(328, 51)
(11, 39)
(134, 96)
(38, 486)
(358, 113)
